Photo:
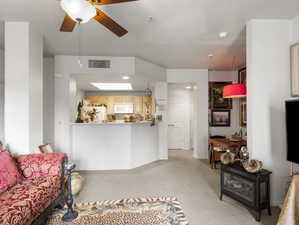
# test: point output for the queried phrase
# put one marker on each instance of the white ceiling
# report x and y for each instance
(181, 34)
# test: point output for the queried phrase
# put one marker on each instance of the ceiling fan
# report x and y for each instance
(81, 11)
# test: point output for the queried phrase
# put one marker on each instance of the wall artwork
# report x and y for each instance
(220, 118)
(124, 108)
(242, 76)
(216, 101)
(243, 113)
(295, 70)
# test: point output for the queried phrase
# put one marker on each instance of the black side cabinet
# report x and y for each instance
(252, 190)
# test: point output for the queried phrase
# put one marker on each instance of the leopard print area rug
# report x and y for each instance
(137, 211)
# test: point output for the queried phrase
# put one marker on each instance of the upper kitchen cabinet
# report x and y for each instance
(161, 92)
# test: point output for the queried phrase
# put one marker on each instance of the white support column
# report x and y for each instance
(62, 117)
(1, 95)
(48, 100)
(23, 87)
(268, 81)
(65, 111)
(161, 98)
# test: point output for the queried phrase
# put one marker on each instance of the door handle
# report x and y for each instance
(171, 125)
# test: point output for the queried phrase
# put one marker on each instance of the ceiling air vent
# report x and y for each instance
(98, 63)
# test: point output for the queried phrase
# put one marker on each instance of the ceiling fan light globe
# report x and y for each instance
(79, 10)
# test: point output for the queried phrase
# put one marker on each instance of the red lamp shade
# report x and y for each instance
(234, 91)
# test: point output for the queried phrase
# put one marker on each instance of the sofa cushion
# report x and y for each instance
(37, 165)
(9, 174)
(24, 202)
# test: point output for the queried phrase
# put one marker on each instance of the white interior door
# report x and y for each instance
(176, 132)
(178, 120)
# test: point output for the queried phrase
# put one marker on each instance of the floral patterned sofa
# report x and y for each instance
(40, 190)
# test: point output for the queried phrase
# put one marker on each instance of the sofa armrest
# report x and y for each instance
(37, 165)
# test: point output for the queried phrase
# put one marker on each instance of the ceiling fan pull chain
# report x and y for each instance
(79, 43)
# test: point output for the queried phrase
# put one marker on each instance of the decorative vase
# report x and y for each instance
(244, 154)
(77, 183)
(253, 166)
(227, 158)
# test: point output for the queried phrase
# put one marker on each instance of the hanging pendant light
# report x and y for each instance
(234, 91)
(79, 10)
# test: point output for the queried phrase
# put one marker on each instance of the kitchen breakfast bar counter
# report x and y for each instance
(114, 146)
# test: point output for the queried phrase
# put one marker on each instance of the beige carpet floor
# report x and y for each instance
(190, 180)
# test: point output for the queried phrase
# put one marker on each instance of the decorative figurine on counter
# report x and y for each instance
(93, 114)
(153, 123)
(148, 117)
(147, 107)
(79, 111)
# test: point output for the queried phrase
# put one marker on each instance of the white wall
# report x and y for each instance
(295, 39)
(48, 100)
(16, 91)
(226, 76)
(268, 83)
(295, 30)
(35, 88)
(201, 123)
(94, 148)
(149, 70)
(1, 95)
(23, 87)
(80, 95)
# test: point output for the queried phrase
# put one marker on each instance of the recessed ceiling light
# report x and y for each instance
(188, 87)
(113, 86)
(223, 34)
(125, 77)
(210, 55)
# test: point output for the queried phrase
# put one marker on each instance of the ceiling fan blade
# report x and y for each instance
(108, 2)
(68, 24)
(110, 24)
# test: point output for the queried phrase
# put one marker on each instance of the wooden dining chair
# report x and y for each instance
(215, 151)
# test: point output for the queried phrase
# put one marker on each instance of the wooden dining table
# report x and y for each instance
(224, 144)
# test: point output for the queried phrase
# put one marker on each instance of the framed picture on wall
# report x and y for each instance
(220, 118)
(216, 101)
(295, 70)
(243, 113)
(242, 76)
(124, 108)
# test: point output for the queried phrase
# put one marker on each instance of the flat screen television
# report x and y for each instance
(292, 126)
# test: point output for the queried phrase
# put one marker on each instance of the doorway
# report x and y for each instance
(180, 114)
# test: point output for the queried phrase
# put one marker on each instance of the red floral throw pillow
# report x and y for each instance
(9, 174)
(2, 149)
